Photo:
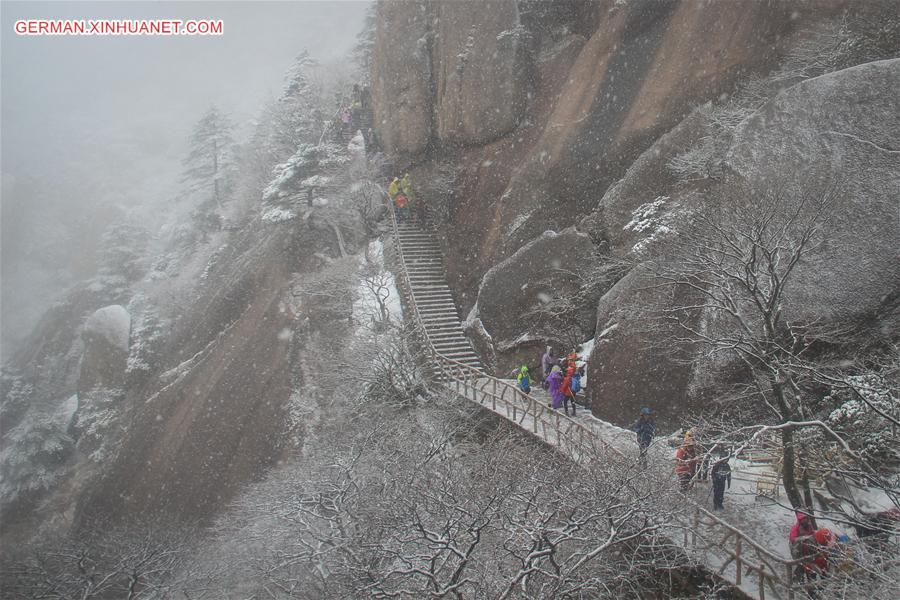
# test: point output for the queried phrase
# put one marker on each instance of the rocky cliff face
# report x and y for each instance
(169, 415)
(613, 93)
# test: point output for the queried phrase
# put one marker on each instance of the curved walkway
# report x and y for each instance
(722, 548)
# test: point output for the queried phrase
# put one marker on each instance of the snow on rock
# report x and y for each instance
(544, 264)
(357, 144)
(106, 336)
(111, 323)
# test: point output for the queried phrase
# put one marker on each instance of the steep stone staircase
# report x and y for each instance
(425, 271)
(722, 548)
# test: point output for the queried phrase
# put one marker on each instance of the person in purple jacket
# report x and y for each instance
(547, 362)
(554, 381)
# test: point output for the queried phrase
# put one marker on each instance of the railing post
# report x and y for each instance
(737, 561)
(790, 581)
(534, 425)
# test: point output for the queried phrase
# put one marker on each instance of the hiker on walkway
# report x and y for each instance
(402, 207)
(346, 119)
(524, 380)
(566, 389)
(720, 474)
(394, 188)
(554, 383)
(686, 462)
(802, 540)
(406, 186)
(547, 361)
(828, 552)
(645, 428)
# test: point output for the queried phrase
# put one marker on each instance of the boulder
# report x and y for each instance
(840, 132)
(832, 134)
(105, 335)
(521, 284)
(632, 364)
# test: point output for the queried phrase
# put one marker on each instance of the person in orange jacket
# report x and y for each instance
(686, 462)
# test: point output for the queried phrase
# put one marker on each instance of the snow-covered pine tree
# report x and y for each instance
(208, 168)
(296, 116)
(361, 54)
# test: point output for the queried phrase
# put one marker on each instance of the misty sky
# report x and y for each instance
(94, 121)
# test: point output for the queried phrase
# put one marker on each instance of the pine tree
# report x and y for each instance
(296, 114)
(361, 54)
(208, 168)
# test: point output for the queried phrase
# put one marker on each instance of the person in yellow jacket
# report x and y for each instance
(394, 188)
(406, 186)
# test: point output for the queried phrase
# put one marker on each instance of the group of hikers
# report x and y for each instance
(404, 201)
(561, 377)
(349, 117)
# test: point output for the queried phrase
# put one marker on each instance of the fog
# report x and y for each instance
(97, 125)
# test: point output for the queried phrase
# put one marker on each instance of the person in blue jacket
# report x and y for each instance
(645, 428)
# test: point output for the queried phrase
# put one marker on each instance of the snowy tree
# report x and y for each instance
(137, 561)
(123, 251)
(209, 168)
(732, 266)
(365, 45)
(296, 115)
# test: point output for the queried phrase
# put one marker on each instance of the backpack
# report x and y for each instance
(576, 383)
(401, 201)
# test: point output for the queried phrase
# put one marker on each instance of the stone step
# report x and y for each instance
(431, 310)
(447, 335)
(434, 317)
(430, 320)
(434, 330)
(447, 348)
(435, 303)
(413, 273)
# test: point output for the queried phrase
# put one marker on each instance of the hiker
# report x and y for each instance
(686, 462)
(402, 207)
(394, 188)
(828, 553)
(524, 380)
(546, 364)
(566, 389)
(406, 186)
(554, 383)
(346, 119)
(645, 428)
(802, 540)
(569, 362)
(720, 474)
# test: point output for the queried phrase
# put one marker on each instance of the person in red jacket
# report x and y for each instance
(802, 540)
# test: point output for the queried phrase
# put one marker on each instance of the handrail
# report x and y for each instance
(771, 570)
(464, 378)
